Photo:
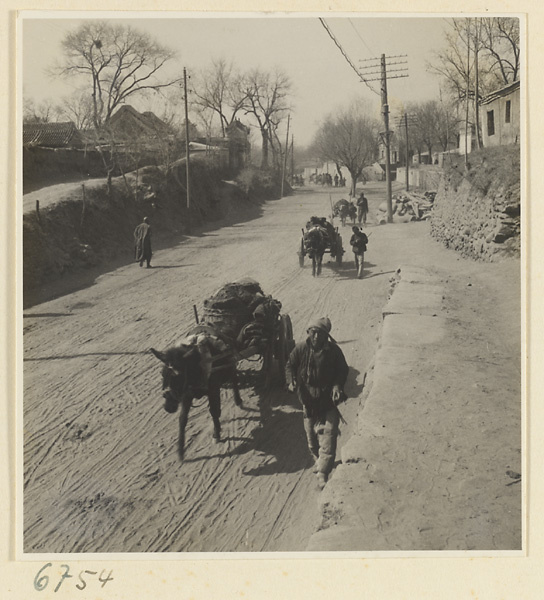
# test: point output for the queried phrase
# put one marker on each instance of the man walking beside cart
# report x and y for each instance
(317, 370)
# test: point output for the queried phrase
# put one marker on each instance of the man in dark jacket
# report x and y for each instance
(142, 243)
(358, 242)
(362, 208)
(318, 371)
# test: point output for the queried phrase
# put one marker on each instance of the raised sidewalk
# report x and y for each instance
(429, 468)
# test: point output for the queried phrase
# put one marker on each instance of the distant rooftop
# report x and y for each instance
(51, 135)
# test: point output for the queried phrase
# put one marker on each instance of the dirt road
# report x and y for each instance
(101, 473)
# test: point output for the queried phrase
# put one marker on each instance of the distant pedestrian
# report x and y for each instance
(142, 243)
(362, 208)
(336, 180)
(317, 369)
(358, 243)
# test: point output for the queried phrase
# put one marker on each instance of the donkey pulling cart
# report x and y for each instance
(320, 237)
(238, 322)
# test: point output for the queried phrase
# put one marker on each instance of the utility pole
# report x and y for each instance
(292, 158)
(407, 157)
(386, 136)
(286, 153)
(187, 186)
(406, 121)
(467, 93)
(476, 82)
(385, 111)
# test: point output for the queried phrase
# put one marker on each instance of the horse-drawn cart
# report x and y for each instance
(344, 209)
(320, 237)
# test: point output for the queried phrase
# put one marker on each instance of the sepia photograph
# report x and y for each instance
(272, 284)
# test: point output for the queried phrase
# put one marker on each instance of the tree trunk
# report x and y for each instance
(430, 150)
(264, 156)
(355, 173)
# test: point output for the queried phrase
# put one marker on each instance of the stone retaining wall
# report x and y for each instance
(478, 219)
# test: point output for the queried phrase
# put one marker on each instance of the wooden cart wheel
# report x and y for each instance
(301, 254)
(339, 249)
(286, 343)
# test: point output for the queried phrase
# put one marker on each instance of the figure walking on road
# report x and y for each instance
(142, 243)
(358, 243)
(362, 208)
(317, 369)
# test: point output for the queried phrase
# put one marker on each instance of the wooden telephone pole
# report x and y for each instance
(386, 135)
(187, 185)
(286, 153)
(406, 121)
(292, 158)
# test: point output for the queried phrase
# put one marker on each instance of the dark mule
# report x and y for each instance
(184, 378)
(314, 243)
(352, 212)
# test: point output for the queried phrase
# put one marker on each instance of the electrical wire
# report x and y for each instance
(346, 56)
(359, 36)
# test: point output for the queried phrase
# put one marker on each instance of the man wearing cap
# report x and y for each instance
(318, 371)
(358, 242)
(142, 243)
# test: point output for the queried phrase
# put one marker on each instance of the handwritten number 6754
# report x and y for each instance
(41, 581)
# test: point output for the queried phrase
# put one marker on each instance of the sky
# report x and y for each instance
(323, 80)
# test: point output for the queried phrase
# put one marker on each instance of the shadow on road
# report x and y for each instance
(67, 356)
(283, 438)
(171, 266)
(378, 274)
(349, 272)
(28, 316)
(352, 388)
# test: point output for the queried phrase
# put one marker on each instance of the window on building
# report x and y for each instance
(490, 123)
(507, 114)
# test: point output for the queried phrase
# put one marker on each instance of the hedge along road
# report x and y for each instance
(101, 472)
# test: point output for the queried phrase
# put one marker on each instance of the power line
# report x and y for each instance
(346, 56)
(359, 36)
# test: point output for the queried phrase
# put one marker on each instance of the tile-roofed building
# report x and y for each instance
(127, 123)
(51, 135)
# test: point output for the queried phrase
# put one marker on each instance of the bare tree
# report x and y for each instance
(429, 122)
(39, 112)
(78, 108)
(500, 39)
(494, 44)
(118, 62)
(219, 90)
(267, 100)
(349, 139)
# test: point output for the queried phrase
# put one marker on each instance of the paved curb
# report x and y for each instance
(404, 479)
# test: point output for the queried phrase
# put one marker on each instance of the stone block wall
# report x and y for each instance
(480, 222)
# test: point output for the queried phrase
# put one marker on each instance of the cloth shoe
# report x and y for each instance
(321, 480)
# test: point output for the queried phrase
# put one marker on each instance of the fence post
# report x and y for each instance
(38, 211)
(84, 205)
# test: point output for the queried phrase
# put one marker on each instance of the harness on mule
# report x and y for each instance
(212, 347)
